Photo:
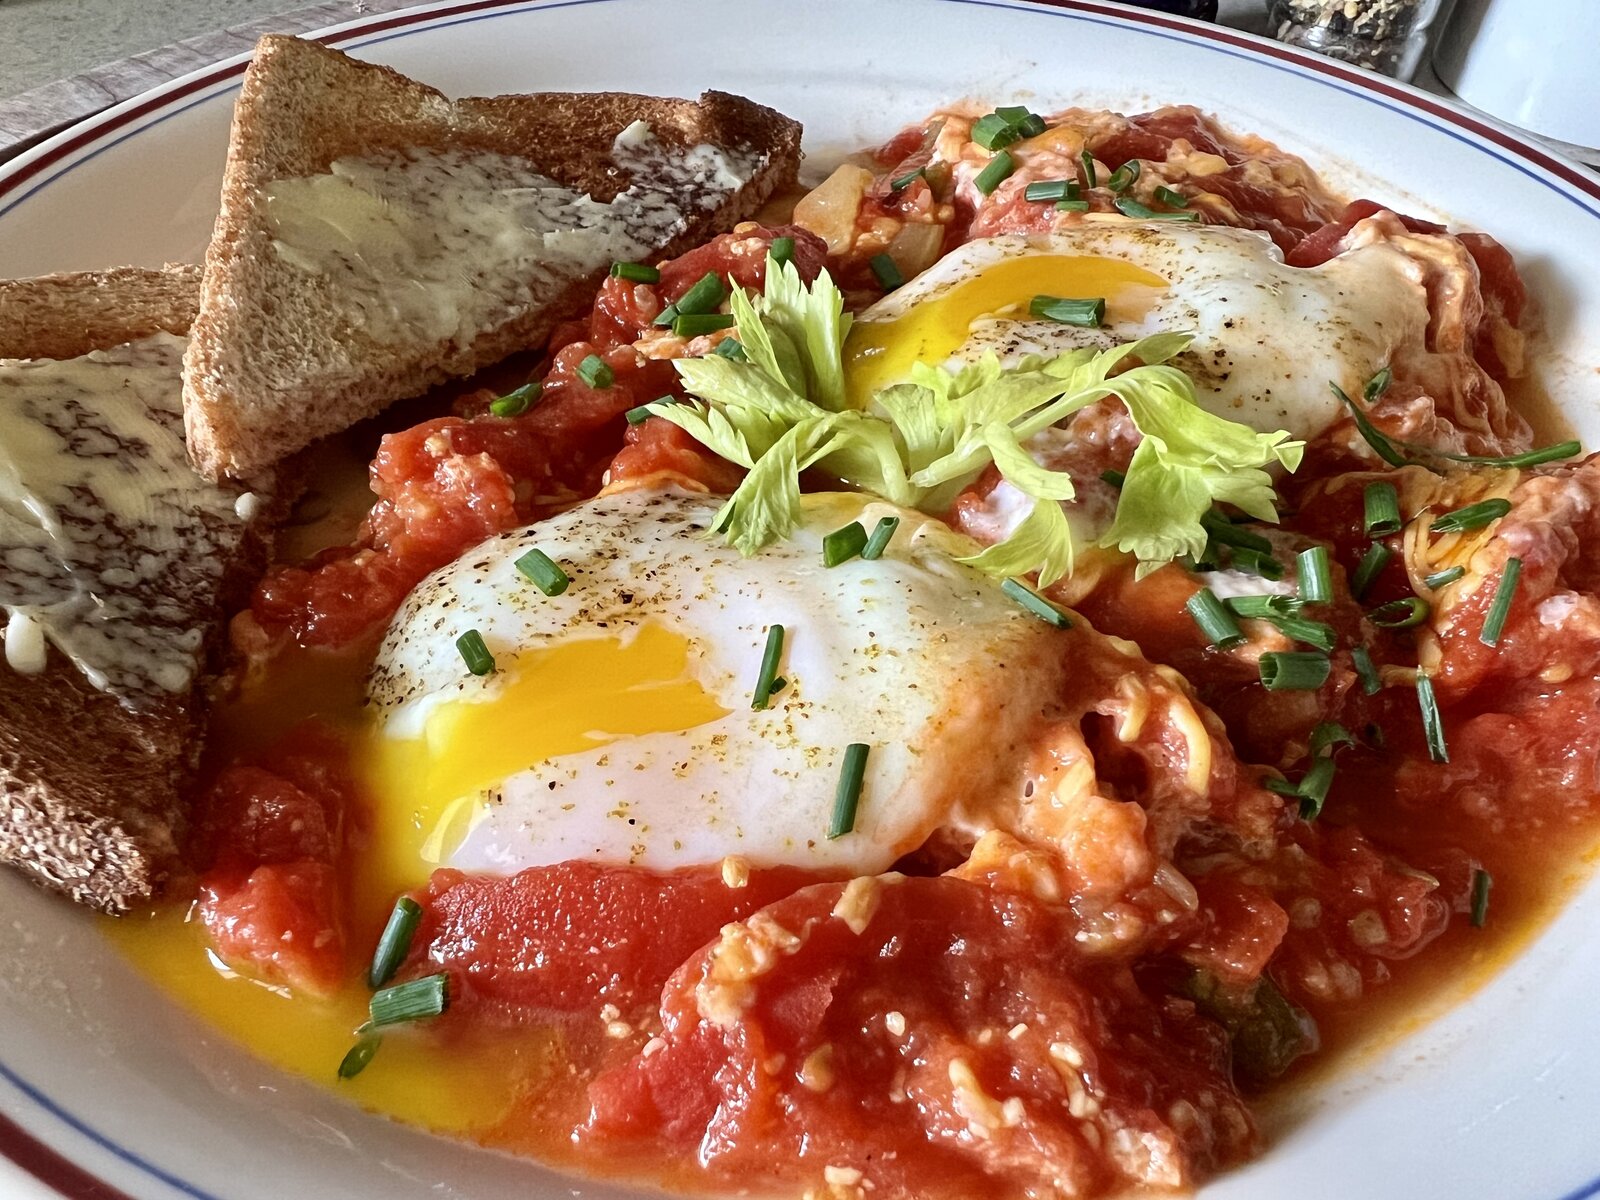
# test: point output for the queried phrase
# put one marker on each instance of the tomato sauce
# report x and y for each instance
(944, 1030)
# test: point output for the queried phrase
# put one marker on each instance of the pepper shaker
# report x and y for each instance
(1388, 36)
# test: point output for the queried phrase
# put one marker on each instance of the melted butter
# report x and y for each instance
(565, 698)
(880, 353)
(107, 536)
(444, 244)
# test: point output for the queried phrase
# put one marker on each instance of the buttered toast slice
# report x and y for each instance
(116, 563)
(376, 238)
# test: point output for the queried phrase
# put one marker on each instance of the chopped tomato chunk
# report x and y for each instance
(272, 899)
(932, 1035)
(566, 938)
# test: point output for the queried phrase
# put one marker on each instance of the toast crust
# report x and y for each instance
(93, 795)
(270, 367)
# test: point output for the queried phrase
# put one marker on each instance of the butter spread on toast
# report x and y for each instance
(112, 546)
(433, 244)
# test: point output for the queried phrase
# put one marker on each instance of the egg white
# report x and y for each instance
(919, 657)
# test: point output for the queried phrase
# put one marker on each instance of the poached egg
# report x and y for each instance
(1268, 337)
(617, 725)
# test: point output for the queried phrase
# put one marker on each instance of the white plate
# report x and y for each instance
(103, 1079)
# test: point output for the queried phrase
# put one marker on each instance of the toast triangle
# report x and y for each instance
(293, 344)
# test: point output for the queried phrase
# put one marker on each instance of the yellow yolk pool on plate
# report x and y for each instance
(465, 1086)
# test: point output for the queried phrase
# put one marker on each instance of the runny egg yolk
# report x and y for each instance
(423, 793)
(561, 699)
(880, 353)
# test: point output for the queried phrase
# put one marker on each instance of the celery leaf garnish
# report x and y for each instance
(784, 409)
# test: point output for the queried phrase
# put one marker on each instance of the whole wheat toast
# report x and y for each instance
(94, 780)
(275, 362)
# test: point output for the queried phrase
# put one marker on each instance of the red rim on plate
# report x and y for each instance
(72, 1181)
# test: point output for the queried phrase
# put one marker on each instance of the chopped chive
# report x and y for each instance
(666, 316)
(1316, 578)
(1129, 207)
(1371, 682)
(1532, 458)
(1019, 116)
(690, 325)
(879, 541)
(1432, 722)
(1225, 531)
(1441, 578)
(731, 348)
(411, 1001)
(1390, 451)
(596, 373)
(1482, 881)
(1370, 433)
(1171, 198)
(906, 180)
(1124, 176)
(1086, 313)
(515, 403)
(997, 172)
(1090, 179)
(1369, 568)
(994, 132)
(778, 685)
(1327, 735)
(1263, 608)
(1294, 670)
(474, 653)
(1036, 604)
(395, 942)
(887, 272)
(1313, 790)
(769, 668)
(1214, 620)
(1254, 562)
(843, 544)
(1377, 385)
(358, 1056)
(1382, 504)
(1049, 189)
(1400, 614)
(1303, 629)
(543, 571)
(848, 794)
(635, 272)
(1500, 608)
(1472, 516)
(707, 293)
(1072, 206)
(1115, 478)
(781, 250)
(641, 414)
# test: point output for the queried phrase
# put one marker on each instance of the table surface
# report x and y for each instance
(63, 60)
(45, 40)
